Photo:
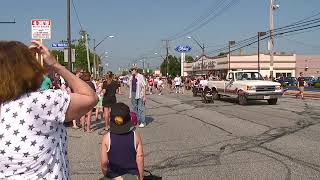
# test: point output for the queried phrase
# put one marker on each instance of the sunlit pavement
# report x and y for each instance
(187, 139)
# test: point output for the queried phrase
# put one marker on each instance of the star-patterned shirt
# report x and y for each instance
(33, 139)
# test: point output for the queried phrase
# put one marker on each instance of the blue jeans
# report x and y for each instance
(139, 108)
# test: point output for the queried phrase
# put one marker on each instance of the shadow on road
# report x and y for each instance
(149, 119)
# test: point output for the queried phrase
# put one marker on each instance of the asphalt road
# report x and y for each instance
(186, 139)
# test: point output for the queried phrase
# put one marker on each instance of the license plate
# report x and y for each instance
(266, 97)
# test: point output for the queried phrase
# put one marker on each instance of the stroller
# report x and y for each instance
(207, 95)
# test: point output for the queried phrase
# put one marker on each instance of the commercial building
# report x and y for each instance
(308, 64)
(284, 64)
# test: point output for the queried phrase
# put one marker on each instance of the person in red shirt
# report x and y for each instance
(300, 85)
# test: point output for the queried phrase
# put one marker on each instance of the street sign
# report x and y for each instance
(183, 49)
(41, 29)
(73, 55)
(59, 45)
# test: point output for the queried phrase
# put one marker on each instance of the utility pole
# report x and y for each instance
(87, 48)
(167, 56)
(202, 58)
(231, 43)
(69, 34)
(94, 58)
(271, 41)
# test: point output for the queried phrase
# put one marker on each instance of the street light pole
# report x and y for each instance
(8, 22)
(94, 55)
(69, 33)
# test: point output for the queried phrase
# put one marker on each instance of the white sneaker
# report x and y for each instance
(141, 125)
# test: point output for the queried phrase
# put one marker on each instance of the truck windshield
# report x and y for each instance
(248, 76)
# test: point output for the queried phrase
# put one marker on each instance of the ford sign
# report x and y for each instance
(183, 49)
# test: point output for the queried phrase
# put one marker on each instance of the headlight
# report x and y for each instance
(278, 87)
(251, 88)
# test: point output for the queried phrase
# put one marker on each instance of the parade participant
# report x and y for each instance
(300, 85)
(86, 119)
(137, 94)
(177, 81)
(121, 155)
(150, 83)
(160, 86)
(169, 83)
(33, 139)
(109, 90)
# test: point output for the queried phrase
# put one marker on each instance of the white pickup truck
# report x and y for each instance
(246, 85)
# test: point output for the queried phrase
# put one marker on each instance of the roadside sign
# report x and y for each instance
(41, 28)
(73, 55)
(183, 49)
(59, 45)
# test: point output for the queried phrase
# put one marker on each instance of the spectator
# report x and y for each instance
(137, 94)
(121, 153)
(86, 119)
(37, 149)
(109, 90)
(46, 82)
(99, 107)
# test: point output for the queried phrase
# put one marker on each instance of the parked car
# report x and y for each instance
(309, 80)
(288, 81)
(317, 80)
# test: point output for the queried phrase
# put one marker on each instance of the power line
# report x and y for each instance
(200, 18)
(302, 43)
(78, 19)
(216, 12)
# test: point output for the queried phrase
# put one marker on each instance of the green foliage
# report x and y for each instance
(81, 54)
(124, 73)
(222, 54)
(189, 59)
(317, 85)
(173, 66)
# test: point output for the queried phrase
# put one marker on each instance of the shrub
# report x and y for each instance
(317, 85)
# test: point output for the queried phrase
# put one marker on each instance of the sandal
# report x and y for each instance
(75, 127)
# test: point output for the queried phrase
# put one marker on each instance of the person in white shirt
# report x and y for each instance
(137, 94)
(177, 81)
(160, 85)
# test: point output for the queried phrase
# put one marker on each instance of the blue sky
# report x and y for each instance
(140, 25)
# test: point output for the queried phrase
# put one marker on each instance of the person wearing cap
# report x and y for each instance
(121, 155)
(137, 94)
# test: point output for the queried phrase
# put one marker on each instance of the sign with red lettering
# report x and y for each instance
(41, 29)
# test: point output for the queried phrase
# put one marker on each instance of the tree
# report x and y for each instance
(189, 59)
(174, 66)
(81, 54)
(222, 54)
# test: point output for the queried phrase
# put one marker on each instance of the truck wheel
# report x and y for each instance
(215, 95)
(272, 101)
(242, 100)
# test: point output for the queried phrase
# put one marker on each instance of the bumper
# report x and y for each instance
(264, 95)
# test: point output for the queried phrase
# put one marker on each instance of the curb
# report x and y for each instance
(306, 94)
